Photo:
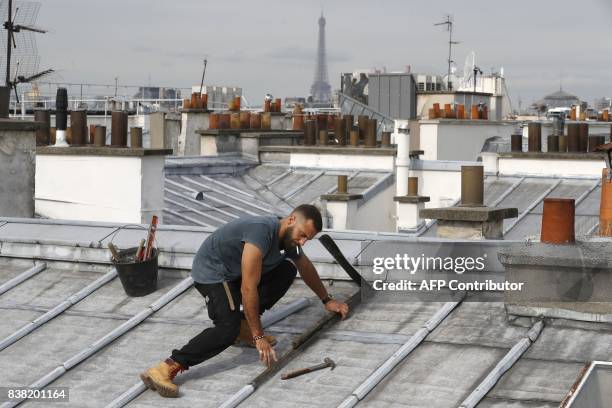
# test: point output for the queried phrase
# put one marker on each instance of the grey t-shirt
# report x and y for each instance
(219, 257)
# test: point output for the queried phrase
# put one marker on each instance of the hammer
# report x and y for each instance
(327, 362)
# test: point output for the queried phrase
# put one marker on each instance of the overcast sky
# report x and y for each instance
(270, 45)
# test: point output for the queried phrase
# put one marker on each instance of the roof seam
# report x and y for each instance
(531, 206)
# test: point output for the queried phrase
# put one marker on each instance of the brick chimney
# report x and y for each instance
(471, 219)
(561, 277)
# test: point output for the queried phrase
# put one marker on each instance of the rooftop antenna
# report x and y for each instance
(203, 73)
(449, 27)
(26, 55)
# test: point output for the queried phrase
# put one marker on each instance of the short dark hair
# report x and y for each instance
(310, 212)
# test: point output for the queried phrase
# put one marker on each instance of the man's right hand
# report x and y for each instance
(266, 352)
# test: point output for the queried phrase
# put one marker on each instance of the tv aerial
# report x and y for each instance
(448, 22)
(20, 57)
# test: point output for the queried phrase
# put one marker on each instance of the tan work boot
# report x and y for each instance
(159, 378)
(245, 337)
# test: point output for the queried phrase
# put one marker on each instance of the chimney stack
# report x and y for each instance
(605, 207)
(516, 142)
(472, 186)
(535, 137)
(342, 184)
(119, 127)
(42, 134)
(471, 219)
(558, 221)
(341, 207)
(408, 208)
(61, 116)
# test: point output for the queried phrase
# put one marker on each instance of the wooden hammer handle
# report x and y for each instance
(296, 373)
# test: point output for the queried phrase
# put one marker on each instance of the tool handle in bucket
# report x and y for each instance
(150, 238)
(125, 226)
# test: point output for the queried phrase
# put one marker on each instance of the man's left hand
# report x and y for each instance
(337, 307)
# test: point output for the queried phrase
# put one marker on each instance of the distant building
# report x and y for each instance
(560, 99)
(219, 96)
(602, 103)
(155, 92)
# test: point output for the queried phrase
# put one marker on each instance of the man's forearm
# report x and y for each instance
(250, 301)
(311, 278)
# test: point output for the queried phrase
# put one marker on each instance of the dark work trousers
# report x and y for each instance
(213, 340)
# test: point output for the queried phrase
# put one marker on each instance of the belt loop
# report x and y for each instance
(229, 296)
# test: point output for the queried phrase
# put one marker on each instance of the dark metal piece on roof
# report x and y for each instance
(333, 249)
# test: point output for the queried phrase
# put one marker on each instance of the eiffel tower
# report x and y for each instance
(321, 89)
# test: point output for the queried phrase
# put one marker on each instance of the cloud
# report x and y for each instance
(185, 55)
(141, 49)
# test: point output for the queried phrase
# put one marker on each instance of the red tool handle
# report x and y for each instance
(150, 238)
(296, 373)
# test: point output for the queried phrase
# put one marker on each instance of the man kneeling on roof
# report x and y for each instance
(251, 261)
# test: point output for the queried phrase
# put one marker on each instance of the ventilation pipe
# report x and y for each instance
(558, 221)
(61, 117)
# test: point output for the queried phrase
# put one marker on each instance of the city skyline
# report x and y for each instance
(274, 49)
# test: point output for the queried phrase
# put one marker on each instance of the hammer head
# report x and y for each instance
(329, 362)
